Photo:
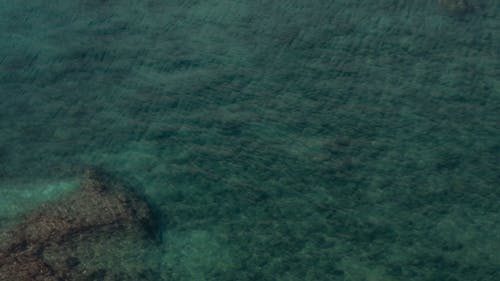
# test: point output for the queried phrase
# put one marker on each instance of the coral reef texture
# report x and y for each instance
(97, 207)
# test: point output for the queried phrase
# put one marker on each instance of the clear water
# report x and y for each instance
(276, 140)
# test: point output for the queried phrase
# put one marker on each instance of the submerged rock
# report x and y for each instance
(97, 208)
(457, 7)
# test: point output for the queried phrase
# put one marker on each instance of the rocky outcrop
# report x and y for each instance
(98, 206)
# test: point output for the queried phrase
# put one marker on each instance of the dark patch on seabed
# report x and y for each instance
(250, 140)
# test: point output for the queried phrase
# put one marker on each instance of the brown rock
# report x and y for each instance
(25, 267)
(97, 206)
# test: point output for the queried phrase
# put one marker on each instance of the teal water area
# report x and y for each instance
(351, 140)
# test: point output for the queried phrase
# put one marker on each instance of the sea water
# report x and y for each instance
(274, 140)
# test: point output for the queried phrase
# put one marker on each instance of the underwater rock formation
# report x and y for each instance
(457, 7)
(98, 206)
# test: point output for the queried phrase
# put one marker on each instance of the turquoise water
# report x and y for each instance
(275, 140)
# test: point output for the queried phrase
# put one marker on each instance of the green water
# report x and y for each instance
(276, 140)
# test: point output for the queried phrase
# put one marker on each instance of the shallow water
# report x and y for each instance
(285, 140)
